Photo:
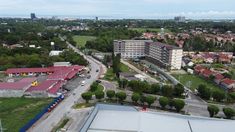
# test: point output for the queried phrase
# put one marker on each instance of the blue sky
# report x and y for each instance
(121, 8)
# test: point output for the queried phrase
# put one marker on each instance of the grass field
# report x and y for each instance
(124, 68)
(195, 81)
(110, 76)
(81, 40)
(149, 29)
(16, 112)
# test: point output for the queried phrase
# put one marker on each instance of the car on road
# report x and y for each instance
(89, 76)
(98, 81)
(97, 70)
(83, 83)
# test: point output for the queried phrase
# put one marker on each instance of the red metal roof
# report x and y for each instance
(26, 70)
(55, 88)
(43, 86)
(14, 85)
(28, 79)
(71, 74)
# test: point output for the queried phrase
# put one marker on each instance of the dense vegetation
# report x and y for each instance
(26, 33)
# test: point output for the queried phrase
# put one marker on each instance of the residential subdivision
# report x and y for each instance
(163, 55)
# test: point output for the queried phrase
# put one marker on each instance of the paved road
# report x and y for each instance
(47, 123)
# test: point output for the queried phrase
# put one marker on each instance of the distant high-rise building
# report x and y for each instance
(179, 19)
(97, 18)
(33, 16)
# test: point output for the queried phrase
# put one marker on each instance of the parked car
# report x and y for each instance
(89, 76)
(98, 81)
(83, 83)
(97, 70)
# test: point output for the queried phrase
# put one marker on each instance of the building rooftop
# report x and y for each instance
(106, 118)
(162, 45)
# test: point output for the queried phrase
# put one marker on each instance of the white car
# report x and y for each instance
(83, 83)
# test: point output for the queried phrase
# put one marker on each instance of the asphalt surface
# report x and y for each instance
(46, 124)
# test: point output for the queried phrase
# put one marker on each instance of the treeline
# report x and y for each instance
(105, 36)
(31, 59)
(199, 43)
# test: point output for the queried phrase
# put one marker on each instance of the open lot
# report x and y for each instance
(81, 40)
(149, 29)
(16, 112)
(193, 81)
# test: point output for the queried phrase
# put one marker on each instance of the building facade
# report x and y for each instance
(163, 55)
(130, 48)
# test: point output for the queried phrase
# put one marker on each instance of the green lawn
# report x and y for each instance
(110, 76)
(16, 112)
(81, 40)
(185, 79)
(149, 29)
(124, 68)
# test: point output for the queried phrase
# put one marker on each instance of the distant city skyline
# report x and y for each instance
(140, 9)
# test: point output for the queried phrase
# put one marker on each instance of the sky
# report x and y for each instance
(149, 9)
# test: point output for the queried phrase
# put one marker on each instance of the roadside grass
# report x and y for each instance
(195, 81)
(124, 68)
(61, 124)
(150, 29)
(110, 76)
(81, 40)
(83, 105)
(16, 112)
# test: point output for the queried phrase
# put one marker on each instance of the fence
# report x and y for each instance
(48, 108)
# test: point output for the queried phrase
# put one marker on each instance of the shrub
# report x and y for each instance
(229, 112)
(163, 101)
(178, 104)
(87, 96)
(135, 97)
(218, 95)
(110, 94)
(99, 95)
(121, 96)
(213, 110)
(150, 100)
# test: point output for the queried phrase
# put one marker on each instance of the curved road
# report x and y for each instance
(46, 124)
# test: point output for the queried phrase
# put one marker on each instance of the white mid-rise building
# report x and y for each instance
(164, 55)
(168, 56)
(130, 48)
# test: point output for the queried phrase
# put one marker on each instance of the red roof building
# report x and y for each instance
(228, 84)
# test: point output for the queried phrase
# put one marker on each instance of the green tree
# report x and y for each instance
(87, 96)
(179, 104)
(110, 94)
(94, 86)
(213, 110)
(150, 100)
(178, 90)
(204, 92)
(121, 96)
(163, 101)
(155, 88)
(135, 97)
(167, 90)
(218, 95)
(229, 112)
(99, 95)
(122, 83)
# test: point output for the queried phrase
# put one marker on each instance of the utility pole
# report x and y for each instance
(1, 127)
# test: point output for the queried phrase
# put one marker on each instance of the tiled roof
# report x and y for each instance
(228, 81)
